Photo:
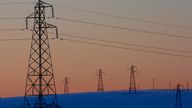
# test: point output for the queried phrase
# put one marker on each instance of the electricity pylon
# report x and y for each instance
(100, 87)
(178, 103)
(40, 90)
(188, 86)
(153, 87)
(132, 84)
(169, 85)
(66, 85)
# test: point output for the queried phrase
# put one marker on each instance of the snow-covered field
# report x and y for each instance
(115, 99)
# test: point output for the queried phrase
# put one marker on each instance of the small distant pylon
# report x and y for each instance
(66, 85)
(153, 87)
(132, 84)
(187, 86)
(170, 86)
(178, 97)
(100, 87)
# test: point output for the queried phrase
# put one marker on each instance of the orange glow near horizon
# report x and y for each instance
(80, 61)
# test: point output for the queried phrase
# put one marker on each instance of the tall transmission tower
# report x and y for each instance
(66, 85)
(40, 90)
(100, 87)
(132, 84)
(178, 103)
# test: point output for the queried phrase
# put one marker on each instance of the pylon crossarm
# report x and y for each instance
(31, 16)
(47, 5)
(56, 29)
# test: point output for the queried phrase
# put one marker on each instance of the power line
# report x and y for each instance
(101, 13)
(127, 48)
(100, 44)
(123, 43)
(24, 39)
(105, 14)
(110, 26)
(125, 28)
(107, 45)
(20, 39)
(15, 3)
(117, 74)
(13, 29)
(123, 17)
(11, 18)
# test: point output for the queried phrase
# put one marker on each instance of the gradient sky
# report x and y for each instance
(80, 61)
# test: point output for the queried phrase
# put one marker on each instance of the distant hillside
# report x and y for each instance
(116, 99)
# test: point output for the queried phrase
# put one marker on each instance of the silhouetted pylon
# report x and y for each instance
(178, 103)
(132, 84)
(153, 87)
(170, 85)
(188, 86)
(100, 87)
(66, 85)
(40, 90)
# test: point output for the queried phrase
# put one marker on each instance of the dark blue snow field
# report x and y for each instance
(115, 99)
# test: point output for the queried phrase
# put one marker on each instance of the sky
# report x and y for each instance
(80, 61)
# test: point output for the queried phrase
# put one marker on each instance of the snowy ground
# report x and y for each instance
(116, 99)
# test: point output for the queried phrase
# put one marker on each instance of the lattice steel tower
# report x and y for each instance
(178, 103)
(188, 86)
(170, 85)
(40, 82)
(132, 84)
(66, 85)
(153, 86)
(100, 87)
